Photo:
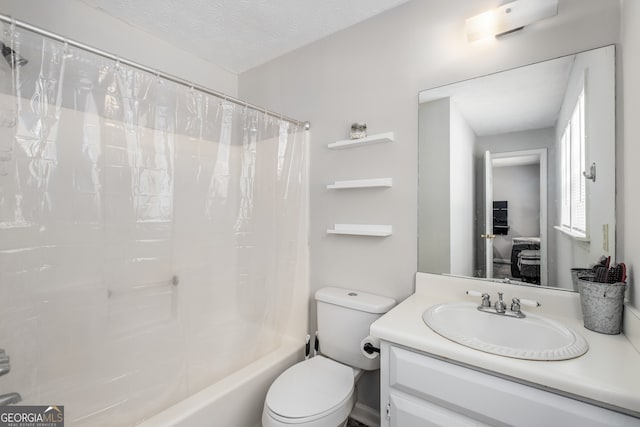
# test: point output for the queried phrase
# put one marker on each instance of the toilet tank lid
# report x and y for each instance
(356, 300)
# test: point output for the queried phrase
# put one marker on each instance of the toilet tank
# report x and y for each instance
(344, 317)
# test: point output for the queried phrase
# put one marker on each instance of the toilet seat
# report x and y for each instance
(314, 389)
(332, 417)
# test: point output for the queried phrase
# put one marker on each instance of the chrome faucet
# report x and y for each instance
(500, 307)
(10, 398)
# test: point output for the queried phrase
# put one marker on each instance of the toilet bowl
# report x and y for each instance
(318, 392)
(321, 391)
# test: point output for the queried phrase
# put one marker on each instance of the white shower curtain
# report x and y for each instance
(151, 236)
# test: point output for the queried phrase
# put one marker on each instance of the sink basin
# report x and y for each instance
(532, 338)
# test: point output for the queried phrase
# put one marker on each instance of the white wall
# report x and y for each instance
(628, 198)
(461, 189)
(434, 176)
(446, 183)
(77, 21)
(372, 73)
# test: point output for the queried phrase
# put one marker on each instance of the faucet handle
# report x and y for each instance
(515, 305)
(529, 302)
(517, 302)
(486, 298)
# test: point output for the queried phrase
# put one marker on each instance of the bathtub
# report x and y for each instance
(236, 400)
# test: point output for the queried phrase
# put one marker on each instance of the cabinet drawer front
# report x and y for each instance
(491, 399)
(407, 411)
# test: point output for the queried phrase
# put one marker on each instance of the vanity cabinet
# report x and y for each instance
(419, 391)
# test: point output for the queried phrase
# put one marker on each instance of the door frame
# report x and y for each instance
(487, 197)
(541, 154)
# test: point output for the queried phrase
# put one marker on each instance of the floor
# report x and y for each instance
(501, 270)
(354, 423)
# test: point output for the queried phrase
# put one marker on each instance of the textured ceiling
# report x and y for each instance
(240, 34)
(520, 99)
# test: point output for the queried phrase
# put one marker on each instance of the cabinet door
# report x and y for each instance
(477, 395)
(407, 411)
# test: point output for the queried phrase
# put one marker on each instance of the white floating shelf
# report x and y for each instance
(361, 183)
(362, 230)
(373, 139)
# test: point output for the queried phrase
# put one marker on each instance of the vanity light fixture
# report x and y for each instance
(509, 18)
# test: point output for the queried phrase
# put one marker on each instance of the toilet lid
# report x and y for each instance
(309, 388)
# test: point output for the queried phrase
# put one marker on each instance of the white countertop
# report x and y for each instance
(609, 373)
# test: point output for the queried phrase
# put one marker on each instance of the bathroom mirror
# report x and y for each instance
(517, 172)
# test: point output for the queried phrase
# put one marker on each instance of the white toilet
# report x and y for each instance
(320, 391)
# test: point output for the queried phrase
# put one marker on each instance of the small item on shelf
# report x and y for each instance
(358, 130)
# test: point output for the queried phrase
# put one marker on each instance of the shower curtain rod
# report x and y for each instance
(9, 20)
